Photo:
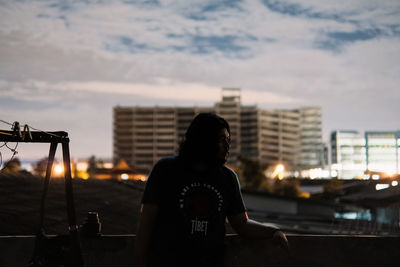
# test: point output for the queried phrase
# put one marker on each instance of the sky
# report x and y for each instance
(64, 65)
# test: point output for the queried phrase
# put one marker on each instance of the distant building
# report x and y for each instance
(353, 154)
(312, 148)
(142, 135)
(121, 171)
(230, 109)
(348, 154)
(382, 151)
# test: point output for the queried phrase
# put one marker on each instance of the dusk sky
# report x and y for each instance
(64, 65)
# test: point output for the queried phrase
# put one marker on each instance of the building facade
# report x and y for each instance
(312, 147)
(382, 151)
(230, 108)
(354, 155)
(142, 135)
(348, 154)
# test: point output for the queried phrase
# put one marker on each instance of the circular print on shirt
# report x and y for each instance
(200, 203)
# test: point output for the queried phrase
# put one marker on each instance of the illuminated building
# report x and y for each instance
(142, 135)
(348, 154)
(121, 171)
(354, 154)
(382, 152)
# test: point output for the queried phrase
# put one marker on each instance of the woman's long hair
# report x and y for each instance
(201, 139)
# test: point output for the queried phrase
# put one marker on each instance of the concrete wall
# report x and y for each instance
(305, 250)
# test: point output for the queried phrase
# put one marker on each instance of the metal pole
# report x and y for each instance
(50, 160)
(73, 228)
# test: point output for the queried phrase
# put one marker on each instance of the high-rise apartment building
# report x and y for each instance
(292, 137)
(312, 148)
(229, 108)
(279, 137)
(143, 135)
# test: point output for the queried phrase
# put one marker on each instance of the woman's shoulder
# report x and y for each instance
(230, 178)
(167, 160)
(228, 172)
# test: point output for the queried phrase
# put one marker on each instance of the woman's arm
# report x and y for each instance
(147, 220)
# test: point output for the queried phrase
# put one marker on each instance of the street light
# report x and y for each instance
(58, 169)
(278, 171)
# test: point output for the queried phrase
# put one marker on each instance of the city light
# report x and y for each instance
(58, 169)
(124, 176)
(316, 173)
(390, 173)
(381, 186)
(375, 177)
(278, 171)
(82, 166)
(280, 168)
(395, 183)
(142, 178)
(84, 175)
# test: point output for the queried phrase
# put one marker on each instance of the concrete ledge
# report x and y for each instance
(315, 250)
(306, 250)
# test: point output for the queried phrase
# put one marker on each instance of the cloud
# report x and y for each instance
(230, 28)
(162, 91)
(83, 58)
(84, 109)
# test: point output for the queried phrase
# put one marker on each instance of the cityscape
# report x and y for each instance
(289, 177)
(285, 142)
(93, 94)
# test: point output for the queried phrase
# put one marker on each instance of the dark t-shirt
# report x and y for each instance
(190, 227)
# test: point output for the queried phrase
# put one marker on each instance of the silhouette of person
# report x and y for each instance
(187, 199)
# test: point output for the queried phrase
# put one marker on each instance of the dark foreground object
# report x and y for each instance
(306, 250)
